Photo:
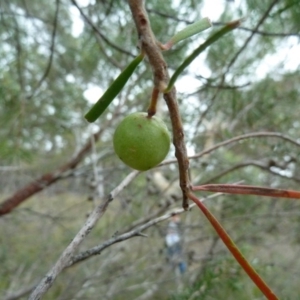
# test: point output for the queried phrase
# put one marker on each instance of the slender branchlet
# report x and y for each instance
(153, 50)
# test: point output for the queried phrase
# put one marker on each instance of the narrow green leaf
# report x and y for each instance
(99, 107)
(191, 30)
(213, 38)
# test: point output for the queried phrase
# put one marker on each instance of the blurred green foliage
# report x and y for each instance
(44, 82)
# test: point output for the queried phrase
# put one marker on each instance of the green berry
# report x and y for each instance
(142, 142)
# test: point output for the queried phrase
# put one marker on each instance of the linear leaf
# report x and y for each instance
(213, 38)
(99, 107)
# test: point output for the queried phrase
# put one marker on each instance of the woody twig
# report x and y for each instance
(153, 50)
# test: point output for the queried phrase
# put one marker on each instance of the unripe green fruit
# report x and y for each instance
(142, 142)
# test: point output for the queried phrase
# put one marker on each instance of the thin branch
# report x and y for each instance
(146, 219)
(235, 57)
(180, 148)
(260, 22)
(136, 231)
(242, 113)
(231, 169)
(113, 61)
(125, 236)
(259, 32)
(19, 52)
(98, 32)
(65, 258)
(263, 33)
(222, 87)
(172, 17)
(247, 190)
(152, 48)
(52, 46)
(246, 136)
(234, 140)
(266, 166)
(19, 69)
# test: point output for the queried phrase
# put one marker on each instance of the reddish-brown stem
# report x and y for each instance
(259, 282)
(247, 190)
(153, 102)
(39, 184)
(180, 149)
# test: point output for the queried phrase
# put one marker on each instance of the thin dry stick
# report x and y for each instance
(152, 48)
(98, 32)
(52, 46)
(260, 22)
(122, 237)
(237, 139)
(65, 258)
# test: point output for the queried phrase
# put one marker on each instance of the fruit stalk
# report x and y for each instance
(154, 98)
